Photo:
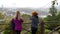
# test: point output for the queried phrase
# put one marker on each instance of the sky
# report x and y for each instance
(26, 3)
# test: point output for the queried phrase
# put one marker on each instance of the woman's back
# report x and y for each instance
(35, 21)
(18, 24)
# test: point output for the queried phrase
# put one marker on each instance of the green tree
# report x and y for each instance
(52, 21)
(58, 18)
(1, 16)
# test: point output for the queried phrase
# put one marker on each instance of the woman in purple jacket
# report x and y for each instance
(17, 23)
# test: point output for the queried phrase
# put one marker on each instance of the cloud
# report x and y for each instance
(25, 3)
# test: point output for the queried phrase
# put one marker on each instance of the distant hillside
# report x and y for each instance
(41, 11)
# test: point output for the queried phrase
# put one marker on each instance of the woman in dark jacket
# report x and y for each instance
(34, 22)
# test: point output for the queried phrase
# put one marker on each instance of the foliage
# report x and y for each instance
(26, 18)
(53, 11)
(47, 31)
(7, 32)
(53, 20)
(26, 15)
(1, 16)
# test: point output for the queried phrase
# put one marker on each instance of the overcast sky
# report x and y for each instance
(26, 3)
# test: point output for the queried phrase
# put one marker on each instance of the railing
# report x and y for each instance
(54, 29)
(27, 27)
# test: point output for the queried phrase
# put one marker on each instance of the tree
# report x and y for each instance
(52, 21)
(58, 18)
(53, 11)
(2, 16)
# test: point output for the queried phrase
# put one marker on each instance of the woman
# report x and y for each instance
(17, 23)
(34, 22)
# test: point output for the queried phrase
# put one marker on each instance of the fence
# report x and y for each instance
(27, 27)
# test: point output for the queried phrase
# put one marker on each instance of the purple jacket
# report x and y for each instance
(17, 24)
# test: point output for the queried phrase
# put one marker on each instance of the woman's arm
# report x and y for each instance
(12, 24)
